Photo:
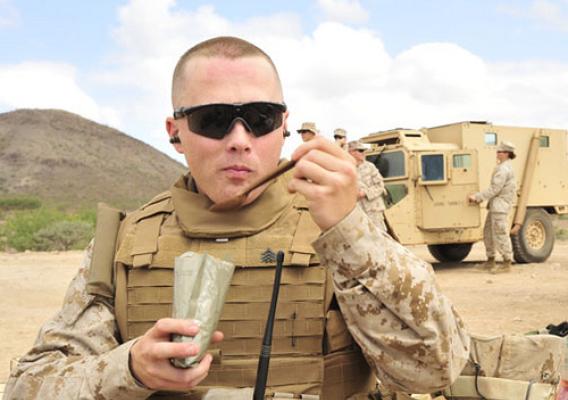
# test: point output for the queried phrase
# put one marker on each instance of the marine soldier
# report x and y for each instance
(371, 185)
(499, 196)
(340, 137)
(354, 304)
(308, 131)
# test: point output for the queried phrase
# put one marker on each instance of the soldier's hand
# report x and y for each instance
(151, 354)
(471, 199)
(326, 176)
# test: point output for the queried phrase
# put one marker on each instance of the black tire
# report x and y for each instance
(535, 240)
(452, 252)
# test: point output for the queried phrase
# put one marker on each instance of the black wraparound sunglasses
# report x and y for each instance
(216, 120)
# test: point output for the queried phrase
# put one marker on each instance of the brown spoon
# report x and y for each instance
(238, 200)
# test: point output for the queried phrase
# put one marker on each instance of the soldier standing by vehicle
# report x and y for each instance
(308, 131)
(344, 308)
(499, 197)
(340, 137)
(371, 185)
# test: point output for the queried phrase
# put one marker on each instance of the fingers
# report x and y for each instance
(323, 145)
(167, 350)
(326, 176)
(171, 378)
(151, 354)
(164, 327)
(217, 337)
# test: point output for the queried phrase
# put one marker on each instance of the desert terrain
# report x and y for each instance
(532, 296)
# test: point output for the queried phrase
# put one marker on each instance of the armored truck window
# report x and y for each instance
(462, 160)
(432, 167)
(490, 138)
(544, 141)
(390, 165)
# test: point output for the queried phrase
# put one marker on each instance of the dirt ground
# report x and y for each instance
(32, 286)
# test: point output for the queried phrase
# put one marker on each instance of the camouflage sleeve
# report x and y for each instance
(76, 354)
(371, 181)
(407, 329)
(498, 180)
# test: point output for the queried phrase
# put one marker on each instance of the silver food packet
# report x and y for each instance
(201, 283)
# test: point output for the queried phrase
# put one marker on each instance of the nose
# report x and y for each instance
(239, 139)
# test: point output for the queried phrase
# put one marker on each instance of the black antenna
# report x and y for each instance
(264, 358)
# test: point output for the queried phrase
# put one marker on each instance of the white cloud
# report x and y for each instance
(9, 15)
(549, 14)
(336, 75)
(348, 11)
(49, 85)
(438, 73)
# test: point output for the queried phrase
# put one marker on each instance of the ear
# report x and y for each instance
(285, 131)
(173, 133)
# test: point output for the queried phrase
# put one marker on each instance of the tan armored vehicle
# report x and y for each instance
(429, 173)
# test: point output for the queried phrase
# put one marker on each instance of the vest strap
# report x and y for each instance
(120, 301)
(146, 240)
(306, 232)
(100, 281)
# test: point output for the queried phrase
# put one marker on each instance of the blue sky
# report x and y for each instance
(363, 65)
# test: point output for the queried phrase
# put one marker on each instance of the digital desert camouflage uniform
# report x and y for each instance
(499, 196)
(372, 184)
(408, 331)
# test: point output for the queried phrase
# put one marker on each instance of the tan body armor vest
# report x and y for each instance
(312, 350)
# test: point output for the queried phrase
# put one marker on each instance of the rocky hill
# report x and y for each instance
(67, 160)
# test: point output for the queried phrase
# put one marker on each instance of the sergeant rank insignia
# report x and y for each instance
(268, 256)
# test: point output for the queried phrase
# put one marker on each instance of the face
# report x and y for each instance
(307, 135)
(222, 168)
(502, 156)
(359, 156)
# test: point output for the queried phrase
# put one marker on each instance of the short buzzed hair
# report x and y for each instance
(223, 46)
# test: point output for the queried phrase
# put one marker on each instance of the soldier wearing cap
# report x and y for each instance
(340, 137)
(355, 305)
(371, 185)
(499, 196)
(308, 131)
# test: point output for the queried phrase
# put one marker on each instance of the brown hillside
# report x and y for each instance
(68, 160)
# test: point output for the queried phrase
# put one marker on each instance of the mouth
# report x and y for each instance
(238, 172)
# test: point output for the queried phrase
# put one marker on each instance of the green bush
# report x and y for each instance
(87, 215)
(2, 240)
(46, 229)
(21, 226)
(19, 203)
(562, 234)
(64, 235)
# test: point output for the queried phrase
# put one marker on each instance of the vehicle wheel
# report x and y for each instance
(453, 252)
(535, 239)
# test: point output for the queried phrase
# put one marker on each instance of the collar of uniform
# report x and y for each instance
(197, 221)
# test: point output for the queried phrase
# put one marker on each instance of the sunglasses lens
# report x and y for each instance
(262, 118)
(211, 121)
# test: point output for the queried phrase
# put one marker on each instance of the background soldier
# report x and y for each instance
(340, 137)
(499, 196)
(308, 131)
(111, 339)
(371, 185)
